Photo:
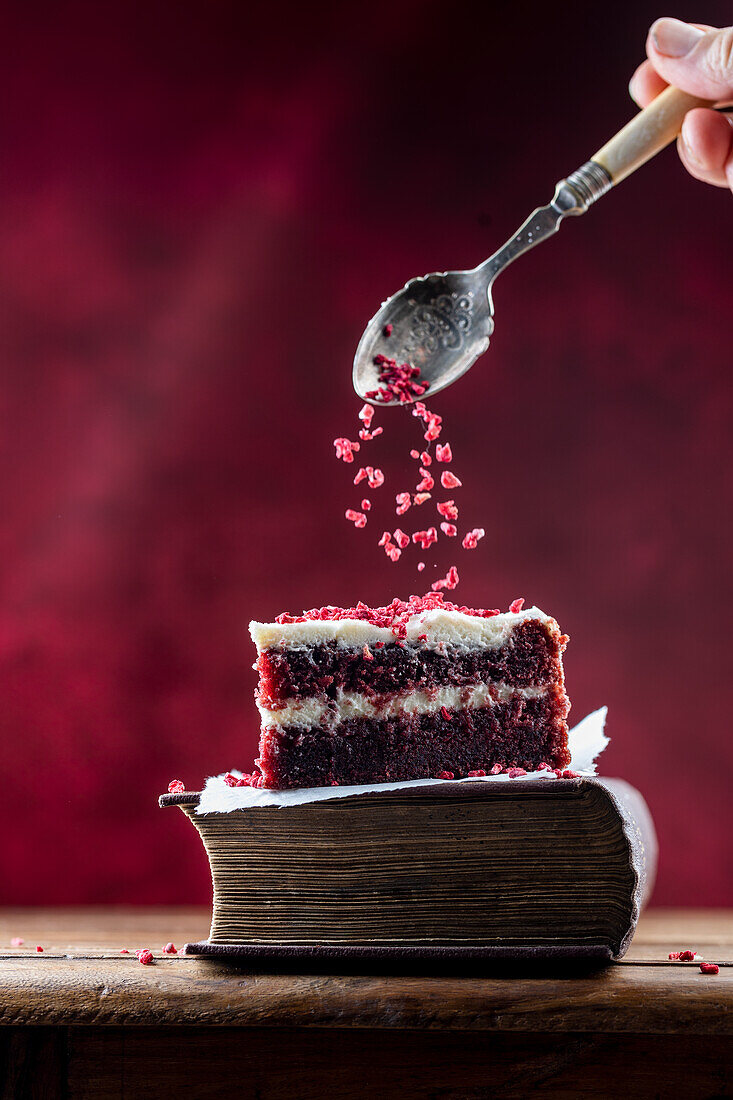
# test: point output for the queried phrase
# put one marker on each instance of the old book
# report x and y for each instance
(517, 869)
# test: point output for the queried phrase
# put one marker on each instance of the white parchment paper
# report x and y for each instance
(586, 742)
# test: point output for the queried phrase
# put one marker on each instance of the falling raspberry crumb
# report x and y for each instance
(176, 786)
(170, 949)
(425, 538)
(427, 482)
(366, 413)
(366, 505)
(415, 454)
(449, 529)
(420, 498)
(387, 330)
(420, 566)
(403, 503)
(448, 509)
(446, 713)
(16, 942)
(426, 459)
(514, 773)
(470, 541)
(516, 606)
(446, 775)
(450, 580)
(401, 538)
(39, 949)
(344, 449)
(145, 956)
(357, 518)
(443, 452)
(449, 480)
(709, 968)
(375, 477)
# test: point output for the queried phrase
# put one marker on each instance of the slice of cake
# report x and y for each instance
(410, 691)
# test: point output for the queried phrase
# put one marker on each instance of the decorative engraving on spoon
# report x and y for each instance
(443, 323)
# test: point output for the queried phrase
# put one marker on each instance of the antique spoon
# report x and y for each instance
(442, 322)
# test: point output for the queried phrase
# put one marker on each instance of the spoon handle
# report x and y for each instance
(646, 134)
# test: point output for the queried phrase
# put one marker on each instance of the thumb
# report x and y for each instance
(697, 61)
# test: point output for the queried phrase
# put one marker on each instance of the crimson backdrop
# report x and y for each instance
(200, 206)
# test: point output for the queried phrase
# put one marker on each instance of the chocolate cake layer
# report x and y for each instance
(531, 656)
(519, 732)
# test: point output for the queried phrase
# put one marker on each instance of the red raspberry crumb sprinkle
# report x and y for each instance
(176, 786)
(401, 538)
(367, 436)
(416, 454)
(39, 949)
(368, 655)
(497, 769)
(470, 541)
(448, 509)
(709, 968)
(403, 503)
(393, 552)
(514, 773)
(145, 956)
(386, 537)
(516, 606)
(545, 767)
(426, 459)
(231, 780)
(344, 449)
(387, 330)
(443, 452)
(170, 949)
(375, 477)
(475, 774)
(449, 480)
(687, 956)
(357, 518)
(420, 498)
(16, 942)
(360, 475)
(449, 529)
(420, 566)
(450, 580)
(446, 713)
(425, 538)
(445, 775)
(366, 412)
(366, 505)
(427, 482)
(434, 429)
(124, 951)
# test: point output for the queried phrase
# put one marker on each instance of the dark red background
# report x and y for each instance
(200, 207)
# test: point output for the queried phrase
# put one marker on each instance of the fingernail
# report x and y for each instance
(674, 38)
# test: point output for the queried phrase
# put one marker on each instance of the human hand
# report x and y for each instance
(699, 60)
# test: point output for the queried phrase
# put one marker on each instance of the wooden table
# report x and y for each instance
(83, 1020)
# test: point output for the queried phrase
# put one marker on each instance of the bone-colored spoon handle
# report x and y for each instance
(647, 133)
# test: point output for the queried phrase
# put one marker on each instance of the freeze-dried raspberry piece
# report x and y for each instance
(387, 330)
(375, 477)
(145, 957)
(420, 498)
(403, 503)
(360, 475)
(394, 553)
(366, 505)
(470, 541)
(425, 538)
(448, 509)
(176, 786)
(514, 773)
(427, 482)
(476, 774)
(367, 653)
(516, 605)
(170, 949)
(357, 518)
(124, 951)
(449, 480)
(420, 566)
(569, 774)
(414, 453)
(367, 436)
(231, 780)
(426, 459)
(386, 537)
(445, 775)
(450, 580)
(401, 538)
(446, 713)
(443, 452)
(344, 449)
(16, 942)
(497, 769)
(39, 949)
(434, 430)
(449, 529)
(366, 413)
(709, 968)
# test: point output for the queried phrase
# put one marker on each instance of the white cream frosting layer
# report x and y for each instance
(439, 626)
(312, 712)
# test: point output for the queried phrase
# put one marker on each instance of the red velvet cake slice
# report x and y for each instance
(410, 691)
